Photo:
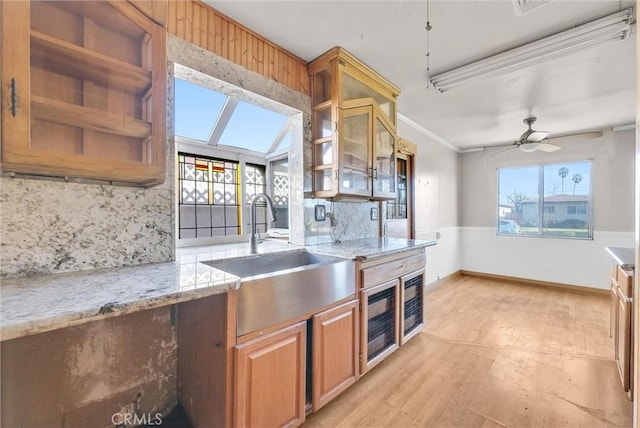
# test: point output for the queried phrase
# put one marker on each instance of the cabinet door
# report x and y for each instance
(384, 155)
(270, 379)
(84, 91)
(335, 352)
(412, 306)
(380, 323)
(354, 133)
(613, 316)
(623, 339)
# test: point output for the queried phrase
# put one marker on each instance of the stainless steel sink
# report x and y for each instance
(282, 286)
(273, 263)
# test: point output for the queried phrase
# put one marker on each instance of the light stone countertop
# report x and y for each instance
(625, 257)
(369, 248)
(31, 305)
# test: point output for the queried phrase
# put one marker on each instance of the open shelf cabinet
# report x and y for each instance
(84, 91)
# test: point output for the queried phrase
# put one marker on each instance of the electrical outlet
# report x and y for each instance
(321, 213)
(374, 213)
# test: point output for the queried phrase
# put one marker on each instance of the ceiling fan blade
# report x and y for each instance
(548, 147)
(503, 152)
(578, 136)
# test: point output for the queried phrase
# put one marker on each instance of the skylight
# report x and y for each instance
(214, 118)
(252, 127)
(197, 110)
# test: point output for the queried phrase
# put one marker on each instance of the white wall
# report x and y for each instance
(568, 261)
(437, 210)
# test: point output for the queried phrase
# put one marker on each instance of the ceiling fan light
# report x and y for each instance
(537, 136)
(548, 147)
(529, 147)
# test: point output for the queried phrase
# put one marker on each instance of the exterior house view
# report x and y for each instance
(558, 209)
(364, 213)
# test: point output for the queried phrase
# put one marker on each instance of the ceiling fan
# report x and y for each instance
(532, 140)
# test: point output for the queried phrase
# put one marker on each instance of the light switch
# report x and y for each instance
(321, 213)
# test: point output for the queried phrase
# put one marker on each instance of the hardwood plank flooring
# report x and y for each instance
(494, 354)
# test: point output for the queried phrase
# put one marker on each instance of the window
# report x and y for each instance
(232, 145)
(397, 208)
(209, 197)
(280, 190)
(551, 200)
(577, 209)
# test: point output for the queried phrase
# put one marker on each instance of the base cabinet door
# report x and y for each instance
(623, 340)
(335, 352)
(412, 305)
(380, 323)
(270, 379)
(614, 307)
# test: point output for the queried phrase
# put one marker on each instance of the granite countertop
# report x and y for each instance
(370, 248)
(625, 257)
(33, 305)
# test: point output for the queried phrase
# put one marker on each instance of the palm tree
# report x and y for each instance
(577, 178)
(563, 172)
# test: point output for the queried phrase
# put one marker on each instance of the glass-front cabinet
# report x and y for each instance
(354, 129)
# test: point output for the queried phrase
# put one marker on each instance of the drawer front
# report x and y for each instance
(392, 270)
(624, 280)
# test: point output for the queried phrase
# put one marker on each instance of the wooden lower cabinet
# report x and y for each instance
(335, 352)
(623, 340)
(621, 328)
(392, 304)
(270, 379)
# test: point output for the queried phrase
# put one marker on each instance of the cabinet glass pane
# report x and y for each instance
(321, 87)
(381, 322)
(323, 180)
(355, 143)
(323, 153)
(385, 159)
(413, 303)
(353, 89)
(322, 123)
(354, 179)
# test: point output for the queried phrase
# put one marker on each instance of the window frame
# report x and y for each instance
(212, 148)
(541, 206)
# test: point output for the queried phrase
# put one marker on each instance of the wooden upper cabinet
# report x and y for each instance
(354, 129)
(83, 91)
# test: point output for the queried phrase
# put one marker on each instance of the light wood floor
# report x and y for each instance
(494, 354)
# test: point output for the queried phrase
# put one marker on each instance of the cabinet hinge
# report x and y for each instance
(336, 126)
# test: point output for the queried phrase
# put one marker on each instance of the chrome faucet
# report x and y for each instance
(253, 240)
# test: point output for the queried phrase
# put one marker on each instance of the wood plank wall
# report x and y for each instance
(201, 25)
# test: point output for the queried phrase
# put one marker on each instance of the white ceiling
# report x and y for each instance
(593, 90)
